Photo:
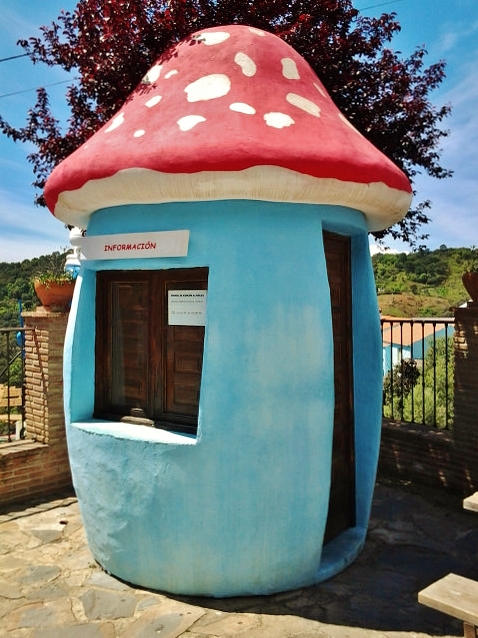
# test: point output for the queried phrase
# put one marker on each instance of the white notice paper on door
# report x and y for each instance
(187, 307)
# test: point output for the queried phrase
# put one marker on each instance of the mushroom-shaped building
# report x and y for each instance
(227, 301)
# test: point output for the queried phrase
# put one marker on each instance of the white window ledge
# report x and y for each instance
(134, 432)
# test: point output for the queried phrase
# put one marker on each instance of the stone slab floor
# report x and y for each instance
(51, 587)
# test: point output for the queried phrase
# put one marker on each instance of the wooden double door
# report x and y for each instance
(341, 513)
(149, 346)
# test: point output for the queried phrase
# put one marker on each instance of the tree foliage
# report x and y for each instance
(420, 267)
(398, 384)
(424, 396)
(16, 283)
(17, 293)
(110, 44)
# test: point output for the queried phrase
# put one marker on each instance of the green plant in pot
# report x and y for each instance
(53, 285)
(470, 276)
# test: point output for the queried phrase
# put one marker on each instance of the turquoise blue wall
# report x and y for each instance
(241, 508)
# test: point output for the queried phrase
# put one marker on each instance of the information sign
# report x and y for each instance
(187, 307)
(172, 243)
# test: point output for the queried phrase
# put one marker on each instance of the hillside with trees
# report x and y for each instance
(16, 292)
(16, 283)
(417, 284)
(423, 283)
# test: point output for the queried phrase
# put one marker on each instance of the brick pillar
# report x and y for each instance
(39, 467)
(465, 429)
(44, 340)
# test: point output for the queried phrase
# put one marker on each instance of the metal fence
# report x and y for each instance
(12, 389)
(418, 369)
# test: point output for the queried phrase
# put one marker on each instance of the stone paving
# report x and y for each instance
(51, 587)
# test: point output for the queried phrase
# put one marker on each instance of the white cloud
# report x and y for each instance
(453, 33)
(26, 231)
(384, 249)
(454, 212)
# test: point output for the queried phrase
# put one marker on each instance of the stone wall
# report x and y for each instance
(440, 458)
(38, 466)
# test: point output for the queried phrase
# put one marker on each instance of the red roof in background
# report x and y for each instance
(405, 331)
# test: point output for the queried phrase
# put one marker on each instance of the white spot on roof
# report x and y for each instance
(320, 89)
(208, 87)
(171, 73)
(153, 101)
(217, 37)
(139, 133)
(278, 120)
(344, 119)
(303, 103)
(117, 121)
(247, 65)
(289, 69)
(189, 121)
(241, 107)
(257, 31)
(152, 75)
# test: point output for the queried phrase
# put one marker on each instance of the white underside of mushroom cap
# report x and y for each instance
(382, 206)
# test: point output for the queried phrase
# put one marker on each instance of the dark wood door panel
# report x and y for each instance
(129, 330)
(342, 492)
(184, 362)
(185, 397)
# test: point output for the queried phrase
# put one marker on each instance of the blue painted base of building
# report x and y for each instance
(241, 507)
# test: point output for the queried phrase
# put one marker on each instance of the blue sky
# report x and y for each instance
(449, 30)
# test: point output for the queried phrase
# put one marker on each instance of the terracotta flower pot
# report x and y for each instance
(470, 281)
(55, 296)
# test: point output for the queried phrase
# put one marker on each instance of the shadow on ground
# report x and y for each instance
(414, 539)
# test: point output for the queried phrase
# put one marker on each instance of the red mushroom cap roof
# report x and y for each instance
(230, 113)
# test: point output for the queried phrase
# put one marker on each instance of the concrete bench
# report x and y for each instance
(10, 397)
(14, 402)
(471, 503)
(10, 417)
(456, 596)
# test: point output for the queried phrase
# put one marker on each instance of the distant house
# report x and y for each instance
(404, 338)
